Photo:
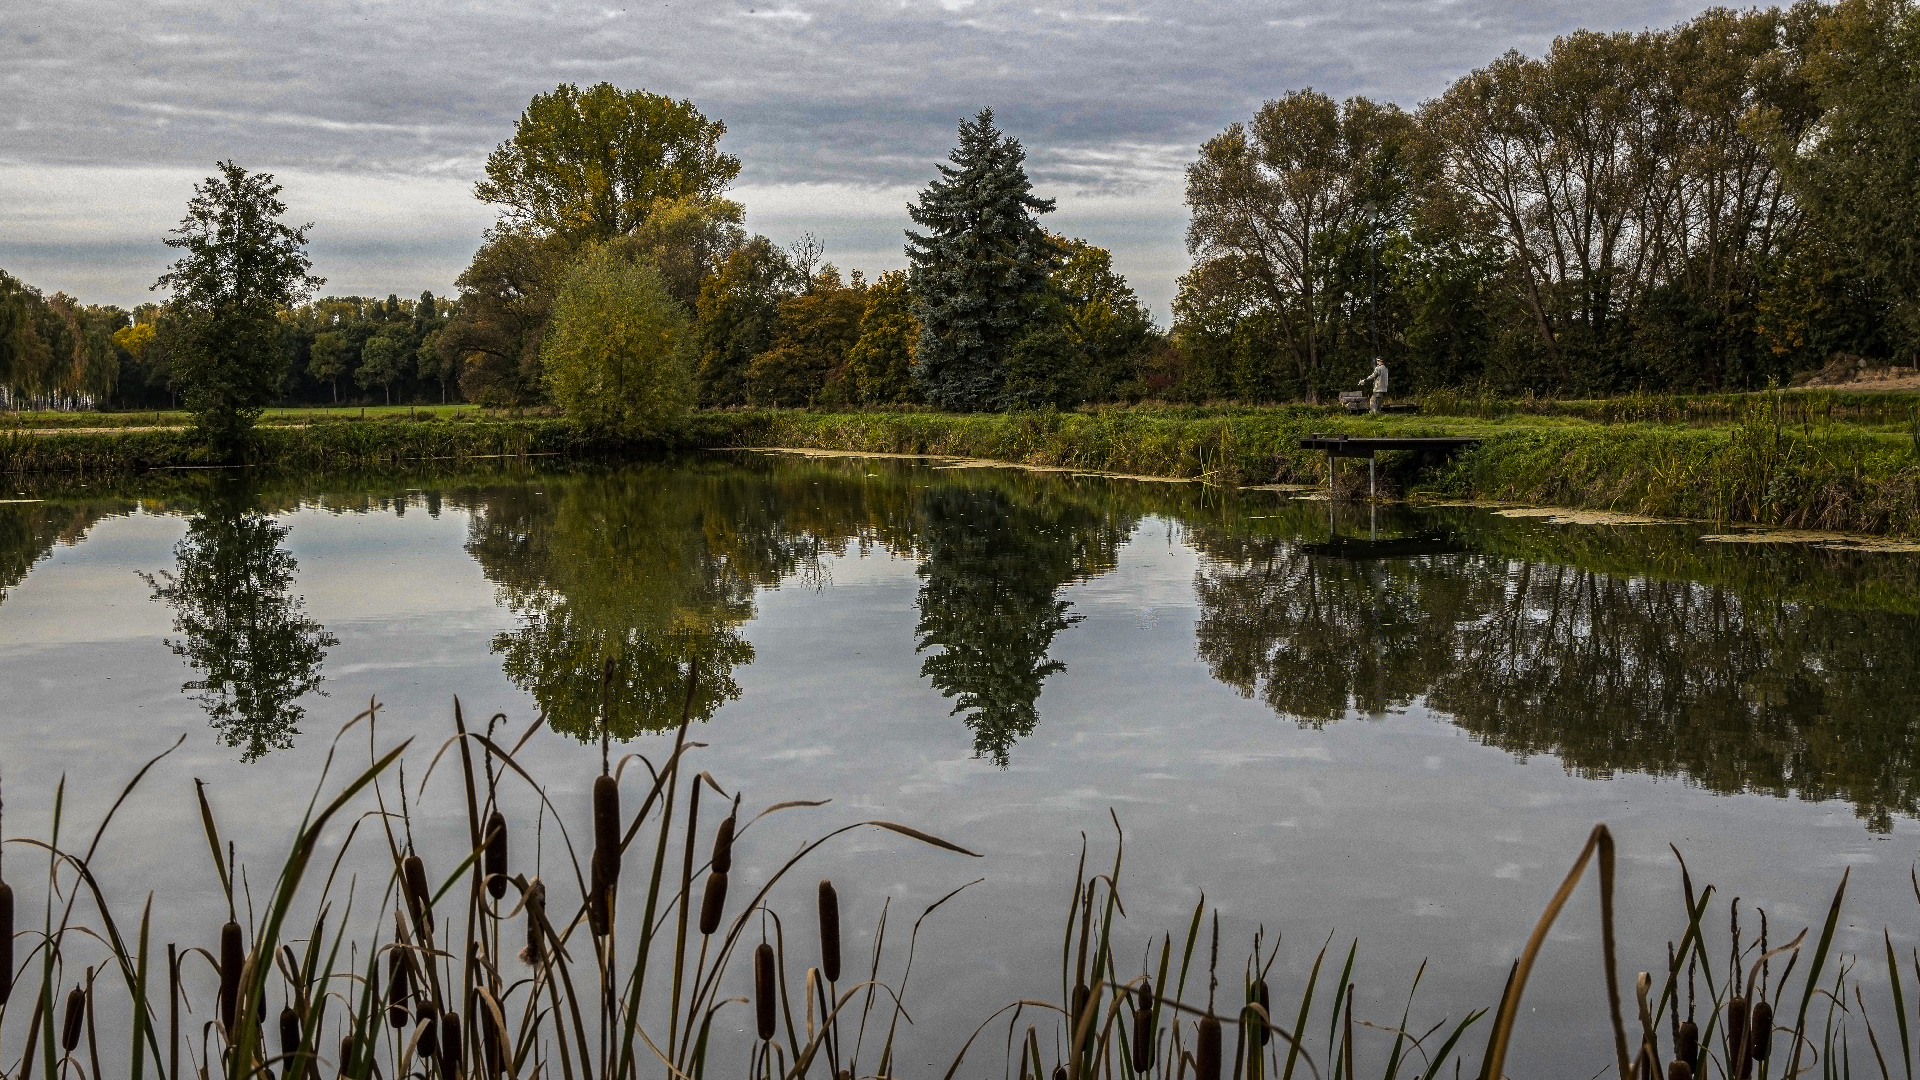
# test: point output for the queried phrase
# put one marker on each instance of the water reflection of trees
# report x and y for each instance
(241, 626)
(621, 580)
(1737, 688)
(993, 564)
(29, 531)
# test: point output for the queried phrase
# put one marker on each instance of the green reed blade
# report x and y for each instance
(1813, 973)
(1300, 1022)
(1899, 1003)
(1439, 1059)
(1346, 976)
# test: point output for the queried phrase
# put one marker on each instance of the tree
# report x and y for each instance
(590, 166)
(1266, 196)
(241, 265)
(814, 332)
(881, 359)
(1860, 175)
(383, 360)
(330, 356)
(738, 314)
(978, 269)
(616, 352)
(493, 341)
(687, 240)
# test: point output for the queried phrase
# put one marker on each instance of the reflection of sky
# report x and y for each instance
(1402, 830)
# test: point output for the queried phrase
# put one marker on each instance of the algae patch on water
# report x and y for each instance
(1826, 541)
(1559, 516)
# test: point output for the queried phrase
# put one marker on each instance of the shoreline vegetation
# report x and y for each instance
(434, 980)
(1805, 460)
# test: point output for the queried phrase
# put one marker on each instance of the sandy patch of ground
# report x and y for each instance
(950, 462)
(1282, 488)
(1824, 540)
(1556, 516)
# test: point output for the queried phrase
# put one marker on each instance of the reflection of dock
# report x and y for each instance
(1405, 547)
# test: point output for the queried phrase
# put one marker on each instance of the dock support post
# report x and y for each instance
(1329, 476)
(1370, 489)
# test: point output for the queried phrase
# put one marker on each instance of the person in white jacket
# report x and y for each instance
(1378, 376)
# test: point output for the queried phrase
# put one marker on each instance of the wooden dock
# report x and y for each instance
(1360, 447)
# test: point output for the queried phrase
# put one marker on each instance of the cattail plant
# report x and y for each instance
(829, 931)
(600, 894)
(712, 901)
(426, 1033)
(233, 956)
(606, 827)
(763, 989)
(6, 941)
(413, 875)
(449, 1044)
(536, 904)
(1263, 998)
(723, 842)
(1736, 1034)
(397, 986)
(75, 1020)
(1762, 1025)
(1143, 1029)
(289, 1035)
(495, 866)
(1206, 1057)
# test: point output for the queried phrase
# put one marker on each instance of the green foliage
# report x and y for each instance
(384, 359)
(616, 352)
(808, 356)
(588, 166)
(506, 294)
(737, 316)
(1860, 175)
(881, 361)
(240, 267)
(56, 351)
(978, 269)
(687, 240)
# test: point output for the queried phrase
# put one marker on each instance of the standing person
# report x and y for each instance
(1378, 376)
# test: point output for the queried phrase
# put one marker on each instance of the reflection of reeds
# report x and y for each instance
(454, 1007)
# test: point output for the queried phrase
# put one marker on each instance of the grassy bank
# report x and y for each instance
(1763, 468)
(1778, 460)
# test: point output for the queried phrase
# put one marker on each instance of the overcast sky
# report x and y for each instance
(378, 117)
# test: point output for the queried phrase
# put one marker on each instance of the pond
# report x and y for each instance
(1396, 725)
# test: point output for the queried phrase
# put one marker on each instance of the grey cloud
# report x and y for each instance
(1109, 97)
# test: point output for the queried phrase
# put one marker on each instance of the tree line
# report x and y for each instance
(1716, 206)
(1709, 207)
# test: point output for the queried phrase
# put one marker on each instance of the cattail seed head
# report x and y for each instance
(1736, 1026)
(289, 1030)
(763, 988)
(600, 896)
(1679, 1070)
(397, 980)
(1080, 995)
(233, 956)
(495, 866)
(606, 825)
(413, 874)
(6, 941)
(1207, 1053)
(723, 846)
(449, 1044)
(1263, 999)
(346, 1054)
(1143, 1039)
(1762, 1026)
(712, 901)
(1687, 1046)
(75, 1020)
(1059, 1072)
(427, 1040)
(536, 913)
(829, 931)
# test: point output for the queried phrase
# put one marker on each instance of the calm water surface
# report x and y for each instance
(1399, 728)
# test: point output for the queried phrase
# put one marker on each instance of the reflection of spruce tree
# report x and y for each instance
(991, 568)
(241, 627)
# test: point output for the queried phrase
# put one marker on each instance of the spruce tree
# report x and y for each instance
(978, 268)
